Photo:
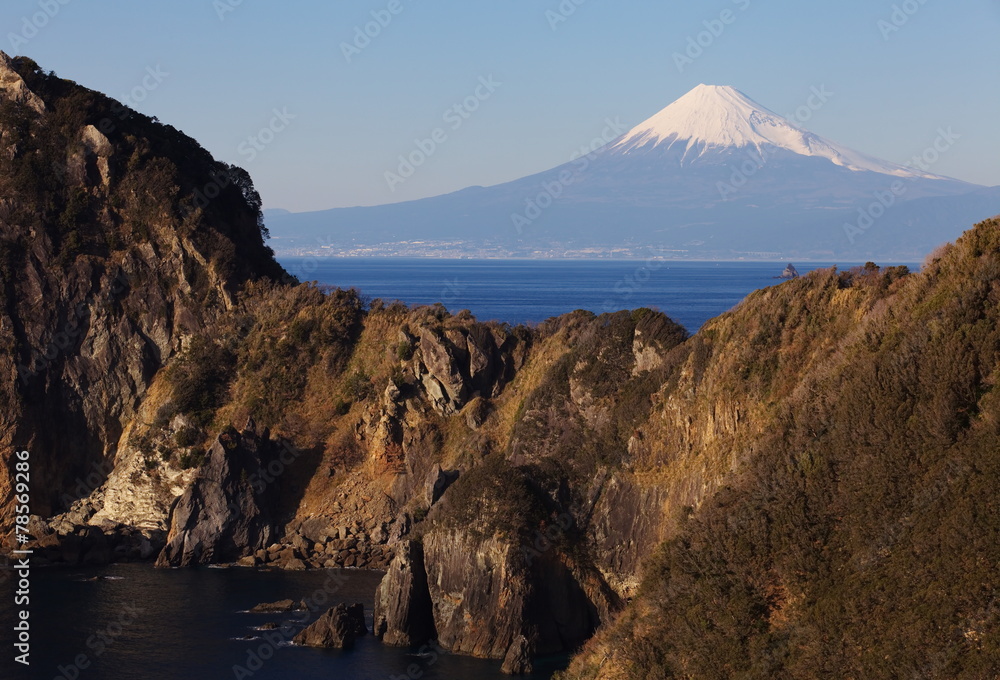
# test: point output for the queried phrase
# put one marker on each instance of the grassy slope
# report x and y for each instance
(861, 539)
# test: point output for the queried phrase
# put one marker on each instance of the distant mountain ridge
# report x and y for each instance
(713, 175)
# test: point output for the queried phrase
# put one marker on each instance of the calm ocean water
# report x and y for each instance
(528, 291)
(184, 624)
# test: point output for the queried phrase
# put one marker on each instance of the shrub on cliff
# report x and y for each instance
(200, 379)
(495, 498)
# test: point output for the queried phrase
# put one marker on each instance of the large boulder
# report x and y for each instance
(227, 513)
(518, 659)
(338, 628)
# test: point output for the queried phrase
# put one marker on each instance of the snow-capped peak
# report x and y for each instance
(713, 117)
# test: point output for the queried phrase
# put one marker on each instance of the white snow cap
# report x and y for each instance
(711, 116)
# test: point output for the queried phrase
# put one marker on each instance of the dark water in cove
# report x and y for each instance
(530, 291)
(154, 624)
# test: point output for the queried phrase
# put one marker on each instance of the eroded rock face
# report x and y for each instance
(627, 523)
(403, 610)
(457, 365)
(491, 598)
(13, 87)
(337, 628)
(226, 514)
(518, 658)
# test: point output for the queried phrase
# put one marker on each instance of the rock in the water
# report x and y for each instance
(279, 606)
(790, 272)
(518, 658)
(403, 610)
(338, 627)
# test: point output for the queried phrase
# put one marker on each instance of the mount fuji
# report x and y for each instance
(713, 175)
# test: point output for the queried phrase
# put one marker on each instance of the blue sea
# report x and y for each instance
(530, 291)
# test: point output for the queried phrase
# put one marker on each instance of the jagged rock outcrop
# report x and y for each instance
(404, 613)
(438, 482)
(72, 539)
(790, 272)
(281, 606)
(227, 513)
(14, 89)
(339, 627)
(456, 365)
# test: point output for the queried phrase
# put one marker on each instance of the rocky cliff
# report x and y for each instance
(843, 545)
(110, 258)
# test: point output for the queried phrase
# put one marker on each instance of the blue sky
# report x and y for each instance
(560, 70)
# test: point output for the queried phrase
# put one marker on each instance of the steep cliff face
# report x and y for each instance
(109, 257)
(404, 610)
(843, 544)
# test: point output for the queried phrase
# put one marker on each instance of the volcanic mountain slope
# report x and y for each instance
(712, 175)
(108, 259)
